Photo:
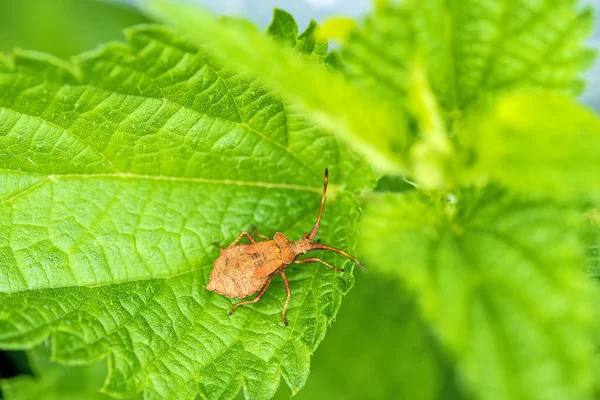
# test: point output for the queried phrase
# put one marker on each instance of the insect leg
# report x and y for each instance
(255, 300)
(287, 299)
(320, 246)
(257, 233)
(247, 235)
(315, 259)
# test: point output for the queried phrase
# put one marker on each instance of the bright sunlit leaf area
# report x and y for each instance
(464, 172)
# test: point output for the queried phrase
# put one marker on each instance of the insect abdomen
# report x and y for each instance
(234, 275)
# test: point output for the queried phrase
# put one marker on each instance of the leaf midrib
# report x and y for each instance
(141, 177)
(101, 284)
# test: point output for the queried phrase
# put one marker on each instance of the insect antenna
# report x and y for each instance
(311, 235)
(320, 246)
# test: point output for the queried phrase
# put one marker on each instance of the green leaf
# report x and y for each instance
(379, 52)
(118, 172)
(381, 323)
(539, 142)
(55, 381)
(500, 279)
(473, 50)
(365, 122)
(283, 27)
(502, 45)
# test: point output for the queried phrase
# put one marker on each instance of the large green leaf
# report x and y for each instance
(500, 278)
(118, 172)
(539, 142)
(367, 123)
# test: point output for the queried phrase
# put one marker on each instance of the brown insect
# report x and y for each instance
(242, 269)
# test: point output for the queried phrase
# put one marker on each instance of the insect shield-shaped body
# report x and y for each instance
(243, 269)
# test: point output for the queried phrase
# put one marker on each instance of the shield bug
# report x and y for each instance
(243, 269)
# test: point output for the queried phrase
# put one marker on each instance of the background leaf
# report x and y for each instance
(476, 51)
(540, 142)
(54, 381)
(64, 27)
(379, 326)
(500, 279)
(118, 172)
(473, 51)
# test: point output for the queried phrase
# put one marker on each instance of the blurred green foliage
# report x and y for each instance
(379, 326)
(63, 27)
(52, 381)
